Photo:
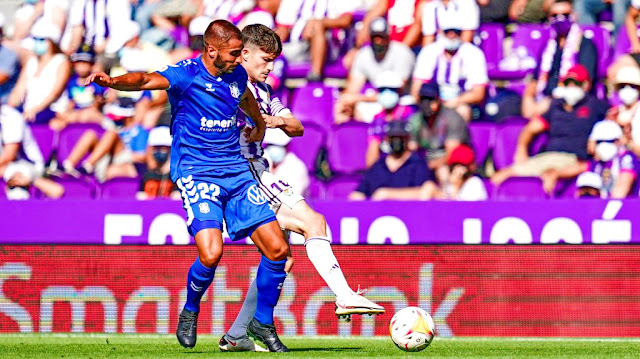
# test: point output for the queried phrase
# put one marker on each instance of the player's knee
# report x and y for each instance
(316, 225)
(278, 251)
(210, 258)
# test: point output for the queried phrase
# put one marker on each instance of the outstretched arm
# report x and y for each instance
(134, 81)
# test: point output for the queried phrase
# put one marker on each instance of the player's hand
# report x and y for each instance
(99, 78)
(29, 115)
(256, 134)
(273, 121)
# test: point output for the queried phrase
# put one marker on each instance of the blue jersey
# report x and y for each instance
(203, 117)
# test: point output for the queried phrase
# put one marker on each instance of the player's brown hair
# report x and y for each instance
(262, 37)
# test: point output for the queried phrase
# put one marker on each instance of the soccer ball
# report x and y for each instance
(412, 329)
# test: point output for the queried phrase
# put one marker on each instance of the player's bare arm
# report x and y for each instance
(287, 123)
(134, 81)
(249, 106)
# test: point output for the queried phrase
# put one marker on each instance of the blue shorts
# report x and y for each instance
(231, 195)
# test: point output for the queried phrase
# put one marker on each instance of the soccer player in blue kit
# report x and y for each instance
(214, 178)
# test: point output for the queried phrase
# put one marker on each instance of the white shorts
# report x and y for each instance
(277, 190)
(26, 168)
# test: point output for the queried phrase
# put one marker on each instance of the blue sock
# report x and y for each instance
(198, 280)
(269, 281)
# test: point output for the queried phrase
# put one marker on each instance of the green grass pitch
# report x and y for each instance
(143, 346)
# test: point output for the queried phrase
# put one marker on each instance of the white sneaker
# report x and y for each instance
(356, 304)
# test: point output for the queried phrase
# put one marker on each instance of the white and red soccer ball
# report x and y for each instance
(412, 329)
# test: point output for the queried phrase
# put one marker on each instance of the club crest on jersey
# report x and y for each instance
(209, 87)
(256, 196)
(204, 208)
(235, 91)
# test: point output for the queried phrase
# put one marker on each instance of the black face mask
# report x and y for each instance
(160, 156)
(378, 49)
(397, 146)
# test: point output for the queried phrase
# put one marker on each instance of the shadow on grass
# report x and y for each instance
(324, 349)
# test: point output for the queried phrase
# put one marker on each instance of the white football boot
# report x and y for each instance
(356, 304)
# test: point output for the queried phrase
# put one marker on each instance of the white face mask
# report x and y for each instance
(276, 153)
(451, 44)
(628, 95)
(388, 99)
(606, 151)
(573, 94)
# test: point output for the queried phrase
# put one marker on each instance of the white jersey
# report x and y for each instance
(269, 104)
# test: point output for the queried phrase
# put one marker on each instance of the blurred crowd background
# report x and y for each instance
(400, 99)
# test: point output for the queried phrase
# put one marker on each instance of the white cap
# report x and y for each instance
(159, 136)
(606, 130)
(199, 25)
(23, 167)
(275, 136)
(589, 179)
(389, 79)
(628, 75)
(134, 61)
(44, 29)
(127, 31)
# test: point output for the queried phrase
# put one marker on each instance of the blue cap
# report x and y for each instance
(85, 54)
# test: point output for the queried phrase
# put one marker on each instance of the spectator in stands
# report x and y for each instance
(588, 11)
(302, 25)
(439, 15)
(43, 78)
(389, 89)
(401, 175)
(404, 26)
(85, 102)
(567, 48)
(627, 114)
(156, 181)
(9, 66)
(197, 27)
(459, 68)
(588, 185)
(633, 57)
(438, 130)
(283, 163)
(115, 153)
(53, 11)
(569, 121)
(462, 184)
(21, 162)
(383, 55)
(529, 11)
(496, 11)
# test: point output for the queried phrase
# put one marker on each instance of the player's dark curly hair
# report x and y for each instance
(262, 37)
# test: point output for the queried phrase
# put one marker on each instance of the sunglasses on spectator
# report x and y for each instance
(456, 31)
(388, 88)
(39, 39)
(606, 141)
(567, 82)
(427, 98)
(561, 16)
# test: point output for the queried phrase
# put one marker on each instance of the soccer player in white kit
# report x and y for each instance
(261, 47)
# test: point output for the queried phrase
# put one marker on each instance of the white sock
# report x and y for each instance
(320, 254)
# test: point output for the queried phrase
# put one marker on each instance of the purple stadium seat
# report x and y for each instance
(120, 188)
(46, 139)
(602, 39)
(3, 190)
(483, 136)
(308, 146)
(531, 37)
(314, 103)
(70, 135)
(316, 189)
(341, 186)
(622, 44)
(566, 189)
(77, 188)
(506, 141)
(521, 188)
(347, 147)
(491, 37)
(539, 144)
(299, 70)
(489, 187)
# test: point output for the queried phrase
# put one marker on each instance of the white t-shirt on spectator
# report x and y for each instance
(635, 4)
(295, 13)
(13, 129)
(40, 84)
(468, 67)
(472, 190)
(399, 59)
(461, 14)
(293, 171)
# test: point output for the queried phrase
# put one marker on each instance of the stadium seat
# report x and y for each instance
(46, 139)
(506, 141)
(565, 189)
(77, 188)
(602, 39)
(531, 37)
(316, 189)
(70, 135)
(347, 147)
(622, 44)
(340, 187)
(308, 146)
(490, 38)
(299, 70)
(483, 136)
(120, 188)
(314, 103)
(521, 188)
(539, 144)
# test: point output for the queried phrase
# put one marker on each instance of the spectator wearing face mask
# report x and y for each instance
(462, 184)
(283, 163)
(567, 47)
(382, 56)
(438, 15)
(400, 175)
(389, 88)
(459, 68)
(588, 185)
(9, 66)
(156, 181)
(613, 162)
(568, 121)
(627, 114)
